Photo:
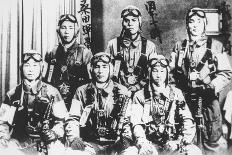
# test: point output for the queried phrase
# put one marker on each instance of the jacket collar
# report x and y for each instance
(106, 91)
(126, 42)
(199, 42)
(34, 89)
(165, 93)
(71, 47)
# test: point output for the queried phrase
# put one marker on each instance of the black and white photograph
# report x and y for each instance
(115, 77)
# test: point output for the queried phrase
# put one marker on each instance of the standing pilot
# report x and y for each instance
(67, 62)
(130, 51)
(201, 68)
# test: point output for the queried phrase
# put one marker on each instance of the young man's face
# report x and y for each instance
(31, 70)
(196, 26)
(131, 24)
(67, 31)
(101, 72)
(159, 75)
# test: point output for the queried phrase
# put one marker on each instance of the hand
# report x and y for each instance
(121, 91)
(171, 145)
(49, 136)
(132, 88)
(210, 86)
(3, 143)
(77, 144)
(186, 141)
(209, 89)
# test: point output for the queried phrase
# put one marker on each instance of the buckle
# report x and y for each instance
(102, 131)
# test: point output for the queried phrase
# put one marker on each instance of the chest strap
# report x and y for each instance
(182, 54)
(141, 62)
(148, 100)
(207, 56)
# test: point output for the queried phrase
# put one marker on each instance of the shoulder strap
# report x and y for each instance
(182, 54)
(184, 44)
(51, 63)
(171, 100)
(142, 62)
(207, 56)
(147, 94)
(144, 45)
(118, 45)
(52, 55)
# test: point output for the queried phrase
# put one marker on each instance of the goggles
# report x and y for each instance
(67, 17)
(132, 12)
(155, 61)
(35, 56)
(101, 58)
(198, 12)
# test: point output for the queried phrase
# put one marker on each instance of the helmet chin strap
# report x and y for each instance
(69, 44)
(157, 89)
(102, 85)
(32, 83)
(196, 38)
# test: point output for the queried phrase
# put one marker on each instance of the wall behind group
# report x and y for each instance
(106, 22)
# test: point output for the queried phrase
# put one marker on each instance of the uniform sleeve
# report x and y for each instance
(72, 123)
(60, 113)
(47, 60)
(87, 55)
(6, 118)
(189, 128)
(59, 108)
(224, 72)
(151, 48)
(136, 116)
(112, 47)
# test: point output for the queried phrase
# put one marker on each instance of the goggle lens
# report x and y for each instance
(162, 62)
(199, 13)
(35, 56)
(133, 12)
(101, 58)
(67, 17)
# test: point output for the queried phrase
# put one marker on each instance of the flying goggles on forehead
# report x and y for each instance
(35, 56)
(67, 17)
(198, 12)
(154, 62)
(101, 58)
(133, 12)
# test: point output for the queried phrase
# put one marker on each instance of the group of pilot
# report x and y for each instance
(120, 101)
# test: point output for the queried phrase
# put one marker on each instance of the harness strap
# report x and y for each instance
(148, 100)
(207, 56)
(182, 54)
(143, 58)
(120, 61)
(144, 45)
(172, 98)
